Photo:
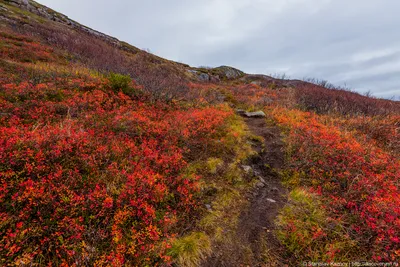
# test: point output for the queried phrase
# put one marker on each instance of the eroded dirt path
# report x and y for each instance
(257, 223)
(255, 243)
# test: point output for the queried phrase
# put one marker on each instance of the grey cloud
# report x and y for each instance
(346, 42)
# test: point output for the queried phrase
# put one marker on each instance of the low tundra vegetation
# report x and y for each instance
(306, 230)
(191, 249)
(90, 173)
(345, 199)
(114, 157)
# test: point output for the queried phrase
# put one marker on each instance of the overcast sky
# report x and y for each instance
(347, 42)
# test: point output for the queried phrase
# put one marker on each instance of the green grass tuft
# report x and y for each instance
(190, 250)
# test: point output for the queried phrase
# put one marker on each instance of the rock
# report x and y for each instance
(2, 18)
(230, 72)
(208, 207)
(240, 111)
(260, 185)
(247, 168)
(204, 77)
(215, 79)
(271, 200)
(257, 114)
(256, 82)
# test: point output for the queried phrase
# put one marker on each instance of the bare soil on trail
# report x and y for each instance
(255, 242)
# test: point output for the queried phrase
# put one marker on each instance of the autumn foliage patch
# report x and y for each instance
(90, 174)
(357, 182)
(95, 167)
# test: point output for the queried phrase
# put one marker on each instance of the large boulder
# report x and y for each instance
(216, 74)
(229, 72)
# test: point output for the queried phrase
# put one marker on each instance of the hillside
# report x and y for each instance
(113, 156)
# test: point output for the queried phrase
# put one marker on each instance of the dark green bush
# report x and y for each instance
(119, 82)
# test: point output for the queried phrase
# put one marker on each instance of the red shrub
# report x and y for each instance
(89, 176)
(358, 182)
(23, 49)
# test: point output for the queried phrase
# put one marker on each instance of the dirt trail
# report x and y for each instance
(256, 244)
(257, 223)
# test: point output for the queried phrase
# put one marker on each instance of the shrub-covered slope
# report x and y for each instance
(111, 156)
(91, 170)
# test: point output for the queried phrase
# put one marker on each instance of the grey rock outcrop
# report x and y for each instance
(256, 114)
(203, 77)
(230, 72)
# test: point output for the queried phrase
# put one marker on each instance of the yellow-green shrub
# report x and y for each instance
(213, 164)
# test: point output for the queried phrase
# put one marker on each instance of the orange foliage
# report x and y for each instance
(358, 181)
(89, 176)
